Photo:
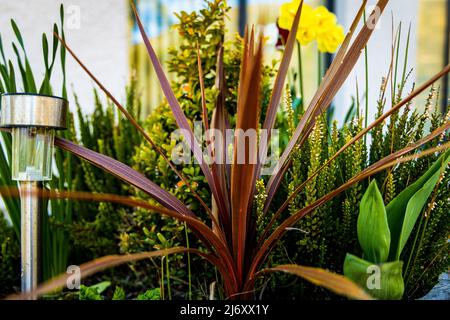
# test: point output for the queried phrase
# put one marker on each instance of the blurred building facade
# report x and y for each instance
(104, 36)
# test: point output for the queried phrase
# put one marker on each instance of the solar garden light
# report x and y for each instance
(33, 120)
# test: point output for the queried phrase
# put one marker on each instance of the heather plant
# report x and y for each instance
(9, 258)
(96, 229)
(313, 240)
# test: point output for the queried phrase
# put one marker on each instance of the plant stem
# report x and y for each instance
(319, 68)
(162, 278)
(169, 293)
(366, 65)
(300, 76)
(405, 62)
(358, 105)
(399, 33)
(189, 263)
(406, 275)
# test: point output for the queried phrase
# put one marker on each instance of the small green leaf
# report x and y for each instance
(119, 294)
(102, 286)
(21, 67)
(89, 293)
(373, 229)
(2, 52)
(12, 78)
(17, 33)
(5, 76)
(161, 239)
(45, 50)
(153, 294)
(61, 13)
(55, 44)
(30, 77)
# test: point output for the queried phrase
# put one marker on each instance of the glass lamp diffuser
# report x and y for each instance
(32, 154)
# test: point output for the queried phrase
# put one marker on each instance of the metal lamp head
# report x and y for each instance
(33, 119)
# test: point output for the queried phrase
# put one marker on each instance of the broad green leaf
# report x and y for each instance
(383, 281)
(403, 210)
(373, 229)
(415, 206)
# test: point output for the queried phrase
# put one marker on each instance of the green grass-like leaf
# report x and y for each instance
(404, 210)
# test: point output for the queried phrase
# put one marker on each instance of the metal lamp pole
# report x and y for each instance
(33, 120)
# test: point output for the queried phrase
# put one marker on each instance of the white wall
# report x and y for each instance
(379, 49)
(96, 30)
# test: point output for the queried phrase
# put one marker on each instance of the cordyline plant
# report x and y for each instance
(231, 241)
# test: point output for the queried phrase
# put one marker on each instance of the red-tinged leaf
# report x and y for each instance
(329, 280)
(244, 63)
(244, 165)
(127, 174)
(358, 136)
(272, 186)
(278, 89)
(334, 79)
(219, 124)
(133, 122)
(202, 90)
(138, 180)
(251, 44)
(179, 114)
(216, 243)
(89, 268)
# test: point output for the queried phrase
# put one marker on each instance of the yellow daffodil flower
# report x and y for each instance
(315, 24)
(307, 31)
(330, 40)
(325, 19)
